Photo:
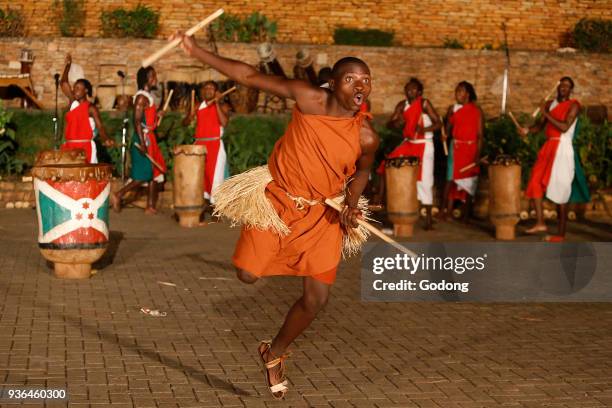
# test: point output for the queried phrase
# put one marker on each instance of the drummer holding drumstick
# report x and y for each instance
(82, 118)
(212, 116)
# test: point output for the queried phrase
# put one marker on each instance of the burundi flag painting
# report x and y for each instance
(72, 214)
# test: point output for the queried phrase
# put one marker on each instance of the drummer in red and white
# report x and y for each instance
(83, 118)
(212, 117)
(420, 122)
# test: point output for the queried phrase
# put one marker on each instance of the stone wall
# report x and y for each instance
(532, 24)
(532, 73)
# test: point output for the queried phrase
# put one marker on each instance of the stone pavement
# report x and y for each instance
(90, 338)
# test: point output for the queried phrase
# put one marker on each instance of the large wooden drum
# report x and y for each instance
(72, 209)
(244, 100)
(401, 176)
(505, 199)
(188, 183)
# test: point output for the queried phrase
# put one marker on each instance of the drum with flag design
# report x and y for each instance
(72, 208)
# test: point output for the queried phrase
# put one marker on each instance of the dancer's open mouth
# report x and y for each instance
(358, 99)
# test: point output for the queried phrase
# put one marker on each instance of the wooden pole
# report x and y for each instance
(535, 113)
(444, 140)
(160, 168)
(518, 125)
(373, 230)
(232, 89)
(166, 48)
(192, 106)
(166, 103)
(472, 165)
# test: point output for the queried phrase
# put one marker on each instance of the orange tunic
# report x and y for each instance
(313, 160)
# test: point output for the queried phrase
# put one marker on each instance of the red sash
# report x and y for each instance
(559, 112)
(465, 122)
(413, 117)
(77, 123)
(208, 124)
(153, 148)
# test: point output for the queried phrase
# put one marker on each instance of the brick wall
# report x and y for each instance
(532, 24)
(532, 73)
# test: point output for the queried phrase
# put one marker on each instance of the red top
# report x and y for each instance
(559, 112)
(208, 124)
(466, 122)
(77, 123)
(412, 117)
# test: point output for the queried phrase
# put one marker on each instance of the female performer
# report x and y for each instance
(83, 117)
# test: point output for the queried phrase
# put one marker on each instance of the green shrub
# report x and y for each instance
(249, 140)
(11, 23)
(71, 17)
(367, 37)
(593, 35)
(140, 22)
(452, 43)
(253, 28)
(9, 163)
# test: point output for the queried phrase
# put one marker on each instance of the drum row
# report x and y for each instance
(401, 176)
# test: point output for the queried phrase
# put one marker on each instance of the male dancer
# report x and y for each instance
(327, 145)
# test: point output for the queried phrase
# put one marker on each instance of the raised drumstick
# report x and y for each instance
(373, 230)
(168, 98)
(232, 89)
(535, 113)
(164, 50)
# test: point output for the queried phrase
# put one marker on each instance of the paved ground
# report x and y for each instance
(90, 337)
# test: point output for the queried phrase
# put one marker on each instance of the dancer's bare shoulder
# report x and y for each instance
(368, 137)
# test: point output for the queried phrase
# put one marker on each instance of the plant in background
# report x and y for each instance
(593, 35)
(594, 146)
(11, 23)
(501, 139)
(140, 22)
(452, 43)
(255, 27)
(71, 17)
(367, 37)
(9, 163)
(249, 140)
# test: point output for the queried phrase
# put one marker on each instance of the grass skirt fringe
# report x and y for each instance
(242, 200)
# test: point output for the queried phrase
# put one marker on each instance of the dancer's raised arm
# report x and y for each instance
(310, 99)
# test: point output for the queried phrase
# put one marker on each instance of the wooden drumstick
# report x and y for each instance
(232, 89)
(373, 230)
(168, 99)
(518, 125)
(535, 113)
(192, 106)
(166, 48)
(472, 165)
(160, 168)
(444, 140)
